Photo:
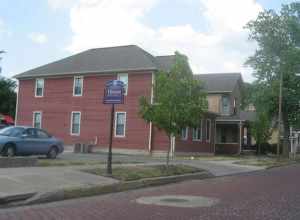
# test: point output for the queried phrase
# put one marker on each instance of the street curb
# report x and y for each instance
(15, 198)
(72, 193)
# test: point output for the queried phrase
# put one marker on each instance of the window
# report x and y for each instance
(124, 78)
(197, 133)
(208, 129)
(39, 87)
(37, 119)
(75, 123)
(184, 133)
(225, 105)
(41, 134)
(78, 86)
(120, 123)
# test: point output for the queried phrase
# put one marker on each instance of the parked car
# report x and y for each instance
(18, 140)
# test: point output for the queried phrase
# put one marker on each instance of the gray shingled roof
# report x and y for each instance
(219, 82)
(100, 60)
(165, 62)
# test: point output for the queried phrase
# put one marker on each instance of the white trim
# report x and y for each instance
(33, 118)
(209, 138)
(186, 134)
(74, 78)
(71, 125)
(150, 124)
(115, 123)
(35, 89)
(124, 74)
(201, 134)
(17, 103)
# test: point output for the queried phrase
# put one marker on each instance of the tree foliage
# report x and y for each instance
(179, 100)
(7, 96)
(278, 40)
(261, 129)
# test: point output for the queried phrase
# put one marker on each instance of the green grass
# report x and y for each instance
(140, 172)
(212, 158)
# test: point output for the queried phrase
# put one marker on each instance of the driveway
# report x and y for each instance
(270, 195)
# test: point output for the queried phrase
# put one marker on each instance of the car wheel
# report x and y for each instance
(10, 151)
(52, 153)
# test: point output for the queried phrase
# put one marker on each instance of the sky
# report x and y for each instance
(209, 32)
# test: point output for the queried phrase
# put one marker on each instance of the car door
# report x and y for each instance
(28, 142)
(43, 140)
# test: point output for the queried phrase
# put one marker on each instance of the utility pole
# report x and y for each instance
(279, 114)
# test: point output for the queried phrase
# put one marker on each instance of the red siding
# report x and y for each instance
(203, 146)
(58, 103)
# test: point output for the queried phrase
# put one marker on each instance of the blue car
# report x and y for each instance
(28, 141)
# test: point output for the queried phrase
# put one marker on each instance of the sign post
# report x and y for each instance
(113, 94)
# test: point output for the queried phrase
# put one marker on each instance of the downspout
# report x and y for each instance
(17, 103)
(240, 151)
(151, 125)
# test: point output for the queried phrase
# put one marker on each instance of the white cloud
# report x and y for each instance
(224, 47)
(58, 4)
(38, 38)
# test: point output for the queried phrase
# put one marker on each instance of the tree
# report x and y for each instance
(278, 53)
(7, 96)
(261, 129)
(179, 100)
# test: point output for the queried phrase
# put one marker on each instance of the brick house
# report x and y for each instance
(66, 98)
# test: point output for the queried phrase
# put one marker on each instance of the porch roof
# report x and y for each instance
(245, 116)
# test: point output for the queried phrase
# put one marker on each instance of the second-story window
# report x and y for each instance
(39, 87)
(124, 78)
(225, 105)
(78, 86)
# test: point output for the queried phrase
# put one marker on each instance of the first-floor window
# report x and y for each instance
(208, 129)
(184, 133)
(37, 119)
(197, 133)
(120, 124)
(75, 123)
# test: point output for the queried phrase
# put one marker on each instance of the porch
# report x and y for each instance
(233, 133)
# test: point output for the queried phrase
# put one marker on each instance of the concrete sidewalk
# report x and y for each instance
(18, 181)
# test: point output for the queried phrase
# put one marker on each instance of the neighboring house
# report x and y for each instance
(66, 98)
(232, 124)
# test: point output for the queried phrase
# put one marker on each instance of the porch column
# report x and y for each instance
(241, 135)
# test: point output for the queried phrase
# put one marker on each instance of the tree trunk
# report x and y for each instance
(286, 141)
(258, 149)
(168, 153)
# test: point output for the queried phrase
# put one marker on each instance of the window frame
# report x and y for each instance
(71, 127)
(208, 138)
(119, 78)
(74, 80)
(195, 129)
(33, 119)
(43, 88)
(222, 104)
(186, 134)
(115, 124)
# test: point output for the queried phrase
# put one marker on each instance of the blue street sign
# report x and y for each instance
(114, 92)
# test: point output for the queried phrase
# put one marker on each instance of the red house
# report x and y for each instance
(66, 98)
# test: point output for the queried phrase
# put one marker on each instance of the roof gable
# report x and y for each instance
(219, 82)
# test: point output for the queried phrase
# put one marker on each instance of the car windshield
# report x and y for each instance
(12, 131)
